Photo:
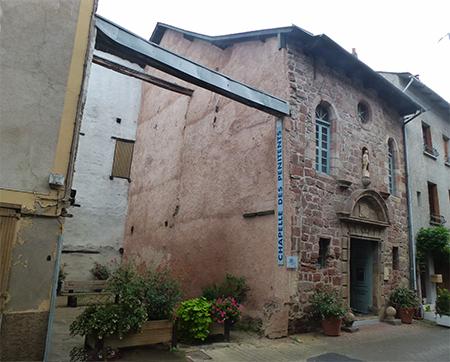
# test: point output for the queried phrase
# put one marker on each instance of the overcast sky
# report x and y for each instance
(389, 35)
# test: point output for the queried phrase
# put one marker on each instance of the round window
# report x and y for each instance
(363, 112)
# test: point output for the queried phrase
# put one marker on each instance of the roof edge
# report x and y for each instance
(161, 28)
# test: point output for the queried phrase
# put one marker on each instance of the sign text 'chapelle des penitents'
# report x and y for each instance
(280, 192)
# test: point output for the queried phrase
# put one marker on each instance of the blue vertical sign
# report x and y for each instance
(280, 192)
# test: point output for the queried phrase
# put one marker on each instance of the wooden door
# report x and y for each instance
(361, 276)
(8, 229)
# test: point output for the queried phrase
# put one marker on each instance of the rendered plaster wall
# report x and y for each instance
(44, 46)
(424, 168)
(24, 321)
(200, 163)
(316, 196)
(35, 59)
(97, 227)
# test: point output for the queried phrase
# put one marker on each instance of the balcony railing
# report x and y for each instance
(437, 219)
(430, 150)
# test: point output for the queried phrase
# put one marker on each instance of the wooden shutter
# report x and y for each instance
(433, 200)
(123, 155)
(8, 228)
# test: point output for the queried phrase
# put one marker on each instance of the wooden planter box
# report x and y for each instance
(218, 328)
(152, 332)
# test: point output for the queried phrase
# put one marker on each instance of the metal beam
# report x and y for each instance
(141, 75)
(121, 41)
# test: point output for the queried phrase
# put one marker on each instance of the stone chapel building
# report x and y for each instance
(312, 199)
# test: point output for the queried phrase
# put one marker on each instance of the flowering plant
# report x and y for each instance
(226, 309)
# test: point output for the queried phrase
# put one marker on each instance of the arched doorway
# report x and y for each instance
(365, 219)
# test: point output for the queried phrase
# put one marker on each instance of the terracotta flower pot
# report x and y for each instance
(332, 326)
(406, 315)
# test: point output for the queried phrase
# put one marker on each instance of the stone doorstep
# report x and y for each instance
(366, 322)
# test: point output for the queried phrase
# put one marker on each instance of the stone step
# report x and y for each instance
(366, 322)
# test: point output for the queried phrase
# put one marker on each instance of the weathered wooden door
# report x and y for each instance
(8, 229)
(361, 275)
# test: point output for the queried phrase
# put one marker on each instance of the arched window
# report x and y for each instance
(323, 130)
(391, 166)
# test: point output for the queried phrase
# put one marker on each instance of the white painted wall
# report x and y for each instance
(423, 168)
(98, 224)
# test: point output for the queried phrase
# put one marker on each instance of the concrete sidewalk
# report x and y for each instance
(377, 342)
(420, 341)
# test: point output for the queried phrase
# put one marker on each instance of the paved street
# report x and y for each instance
(420, 341)
(380, 342)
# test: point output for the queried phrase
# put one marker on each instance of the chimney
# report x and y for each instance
(354, 52)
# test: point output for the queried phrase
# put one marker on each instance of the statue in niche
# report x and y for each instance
(365, 163)
(365, 167)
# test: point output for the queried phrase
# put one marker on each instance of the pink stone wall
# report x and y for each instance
(317, 197)
(200, 163)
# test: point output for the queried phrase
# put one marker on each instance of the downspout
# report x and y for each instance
(412, 244)
(51, 314)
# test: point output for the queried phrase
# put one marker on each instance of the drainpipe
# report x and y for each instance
(51, 315)
(412, 244)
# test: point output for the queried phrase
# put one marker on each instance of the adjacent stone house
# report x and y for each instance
(44, 52)
(101, 178)
(427, 141)
(289, 203)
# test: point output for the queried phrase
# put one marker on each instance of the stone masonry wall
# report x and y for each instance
(317, 198)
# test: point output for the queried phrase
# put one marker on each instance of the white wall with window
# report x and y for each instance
(428, 171)
(102, 167)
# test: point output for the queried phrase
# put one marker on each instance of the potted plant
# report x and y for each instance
(327, 306)
(443, 307)
(140, 315)
(225, 312)
(194, 318)
(405, 301)
(100, 271)
(225, 296)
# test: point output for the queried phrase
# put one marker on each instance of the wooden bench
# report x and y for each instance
(77, 288)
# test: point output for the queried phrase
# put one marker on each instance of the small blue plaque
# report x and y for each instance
(292, 262)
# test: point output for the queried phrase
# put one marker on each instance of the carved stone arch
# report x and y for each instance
(366, 206)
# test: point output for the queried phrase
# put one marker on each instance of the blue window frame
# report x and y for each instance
(322, 139)
(391, 167)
